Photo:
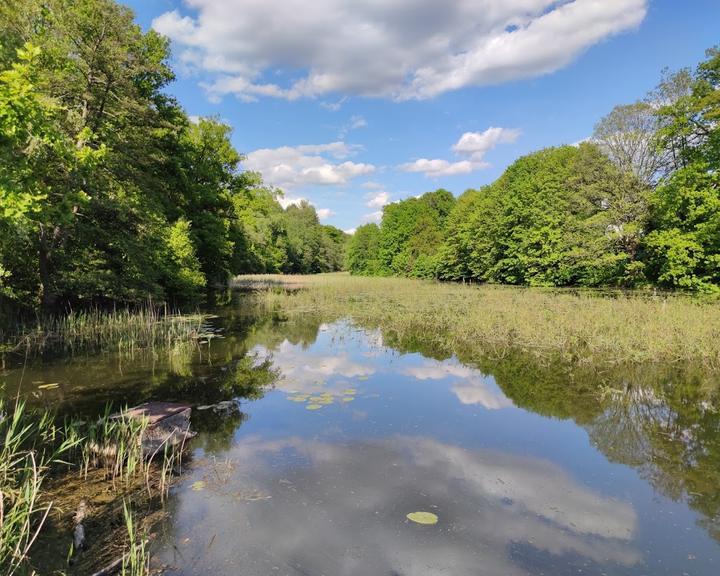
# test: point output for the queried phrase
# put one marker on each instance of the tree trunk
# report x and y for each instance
(47, 296)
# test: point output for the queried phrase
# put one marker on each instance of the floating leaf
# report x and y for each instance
(199, 485)
(348, 398)
(313, 406)
(422, 517)
(297, 398)
(49, 386)
(362, 377)
(349, 391)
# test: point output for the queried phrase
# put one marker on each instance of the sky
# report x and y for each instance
(352, 104)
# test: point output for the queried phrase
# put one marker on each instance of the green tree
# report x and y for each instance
(683, 248)
(363, 251)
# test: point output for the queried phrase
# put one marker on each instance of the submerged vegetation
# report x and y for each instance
(37, 452)
(578, 327)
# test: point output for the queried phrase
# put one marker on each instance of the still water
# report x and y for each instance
(336, 433)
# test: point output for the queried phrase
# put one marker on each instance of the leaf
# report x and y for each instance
(313, 406)
(51, 386)
(422, 517)
(198, 486)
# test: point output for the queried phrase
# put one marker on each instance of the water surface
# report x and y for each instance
(337, 433)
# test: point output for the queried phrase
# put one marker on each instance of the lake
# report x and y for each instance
(336, 433)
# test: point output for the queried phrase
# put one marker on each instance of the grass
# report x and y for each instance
(34, 448)
(126, 331)
(578, 327)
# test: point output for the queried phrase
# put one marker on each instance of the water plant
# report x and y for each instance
(578, 327)
(150, 328)
(29, 445)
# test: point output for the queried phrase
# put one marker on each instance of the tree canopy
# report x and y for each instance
(108, 192)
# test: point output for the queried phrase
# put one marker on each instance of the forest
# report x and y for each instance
(638, 204)
(109, 191)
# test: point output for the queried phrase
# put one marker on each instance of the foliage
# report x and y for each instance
(638, 204)
(411, 234)
(109, 193)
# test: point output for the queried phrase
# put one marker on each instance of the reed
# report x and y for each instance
(128, 332)
(33, 446)
(578, 327)
(136, 560)
(29, 445)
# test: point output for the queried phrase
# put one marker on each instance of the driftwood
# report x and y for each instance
(79, 532)
(168, 424)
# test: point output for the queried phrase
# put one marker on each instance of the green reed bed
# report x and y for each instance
(579, 327)
(125, 331)
(35, 449)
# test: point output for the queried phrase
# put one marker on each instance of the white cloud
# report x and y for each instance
(312, 164)
(437, 168)
(350, 231)
(354, 123)
(477, 144)
(324, 213)
(401, 49)
(286, 201)
(473, 145)
(378, 200)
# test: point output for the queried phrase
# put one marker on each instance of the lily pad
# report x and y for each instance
(422, 517)
(349, 391)
(296, 398)
(313, 406)
(198, 486)
(348, 398)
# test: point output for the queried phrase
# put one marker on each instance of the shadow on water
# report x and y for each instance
(343, 430)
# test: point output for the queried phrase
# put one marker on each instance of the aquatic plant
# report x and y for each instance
(577, 327)
(136, 561)
(150, 328)
(29, 444)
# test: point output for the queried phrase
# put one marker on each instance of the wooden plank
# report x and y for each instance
(156, 412)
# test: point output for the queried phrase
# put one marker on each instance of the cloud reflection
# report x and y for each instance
(340, 509)
(472, 387)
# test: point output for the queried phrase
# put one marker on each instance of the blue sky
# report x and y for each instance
(352, 104)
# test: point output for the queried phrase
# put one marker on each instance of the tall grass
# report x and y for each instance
(577, 327)
(150, 328)
(33, 445)
(136, 561)
(29, 445)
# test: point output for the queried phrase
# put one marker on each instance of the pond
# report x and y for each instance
(337, 435)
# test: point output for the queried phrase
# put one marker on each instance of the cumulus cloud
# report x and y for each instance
(472, 145)
(437, 168)
(312, 164)
(477, 144)
(378, 200)
(400, 49)
(324, 213)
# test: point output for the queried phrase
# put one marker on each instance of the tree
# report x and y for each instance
(363, 251)
(683, 248)
(411, 234)
(629, 136)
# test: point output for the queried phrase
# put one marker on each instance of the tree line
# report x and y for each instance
(109, 192)
(637, 204)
